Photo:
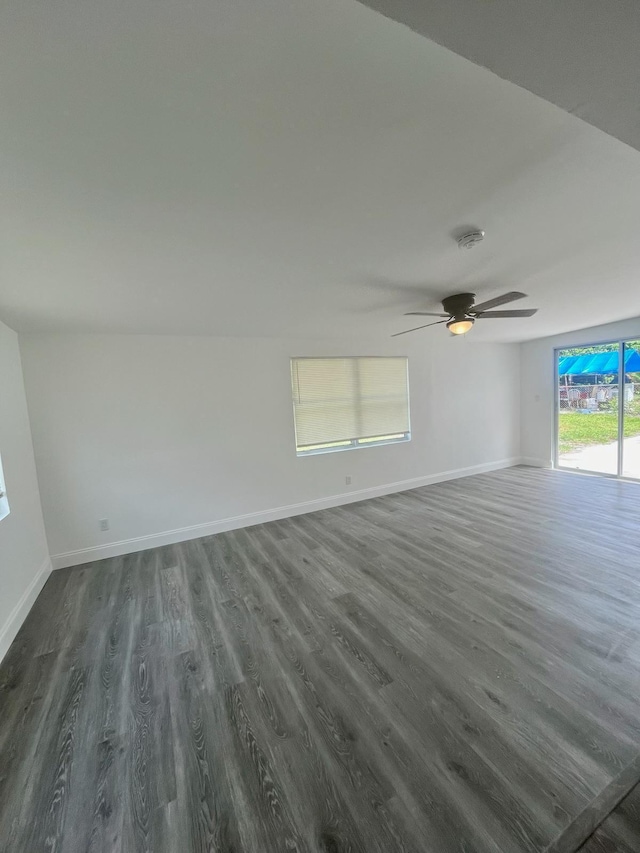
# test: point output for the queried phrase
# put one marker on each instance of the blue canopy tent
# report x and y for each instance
(598, 364)
(579, 366)
(565, 363)
(579, 376)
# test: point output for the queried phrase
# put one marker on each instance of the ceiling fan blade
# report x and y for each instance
(425, 314)
(498, 300)
(426, 326)
(523, 312)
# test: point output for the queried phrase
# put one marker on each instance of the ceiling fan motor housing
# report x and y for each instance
(458, 305)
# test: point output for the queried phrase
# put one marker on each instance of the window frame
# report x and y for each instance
(354, 443)
(5, 509)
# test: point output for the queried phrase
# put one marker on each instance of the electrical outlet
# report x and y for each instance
(104, 523)
(347, 479)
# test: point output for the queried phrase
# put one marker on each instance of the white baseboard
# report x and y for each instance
(533, 462)
(170, 537)
(21, 610)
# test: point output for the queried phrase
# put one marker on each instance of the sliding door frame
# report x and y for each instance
(556, 409)
(621, 403)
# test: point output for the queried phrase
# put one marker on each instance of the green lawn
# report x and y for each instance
(577, 429)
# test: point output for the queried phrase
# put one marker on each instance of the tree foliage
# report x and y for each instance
(592, 350)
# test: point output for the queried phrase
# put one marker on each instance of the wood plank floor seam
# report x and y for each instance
(573, 837)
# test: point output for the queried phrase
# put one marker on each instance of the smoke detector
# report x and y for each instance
(470, 239)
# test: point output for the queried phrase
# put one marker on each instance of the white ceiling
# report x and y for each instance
(289, 167)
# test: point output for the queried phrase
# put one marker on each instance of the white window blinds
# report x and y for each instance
(348, 402)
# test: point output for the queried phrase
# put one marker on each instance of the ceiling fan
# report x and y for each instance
(460, 312)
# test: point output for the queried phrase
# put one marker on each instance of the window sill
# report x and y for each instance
(353, 446)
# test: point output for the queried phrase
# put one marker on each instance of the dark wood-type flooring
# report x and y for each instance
(455, 668)
(620, 832)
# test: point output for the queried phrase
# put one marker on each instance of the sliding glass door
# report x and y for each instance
(588, 408)
(631, 411)
(598, 408)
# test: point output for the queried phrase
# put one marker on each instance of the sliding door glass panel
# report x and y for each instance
(631, 411)
(587, 389)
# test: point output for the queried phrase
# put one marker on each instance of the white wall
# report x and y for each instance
(538, 383)
(24, 563)
(567, 36)
(162, 433)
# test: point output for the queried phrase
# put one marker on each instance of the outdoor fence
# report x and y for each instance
(593, 398)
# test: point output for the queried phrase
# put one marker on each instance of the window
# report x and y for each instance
(4, 503)
(342, 403)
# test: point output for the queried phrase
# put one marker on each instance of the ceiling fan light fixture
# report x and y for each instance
(461, 312)
(460, 326)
